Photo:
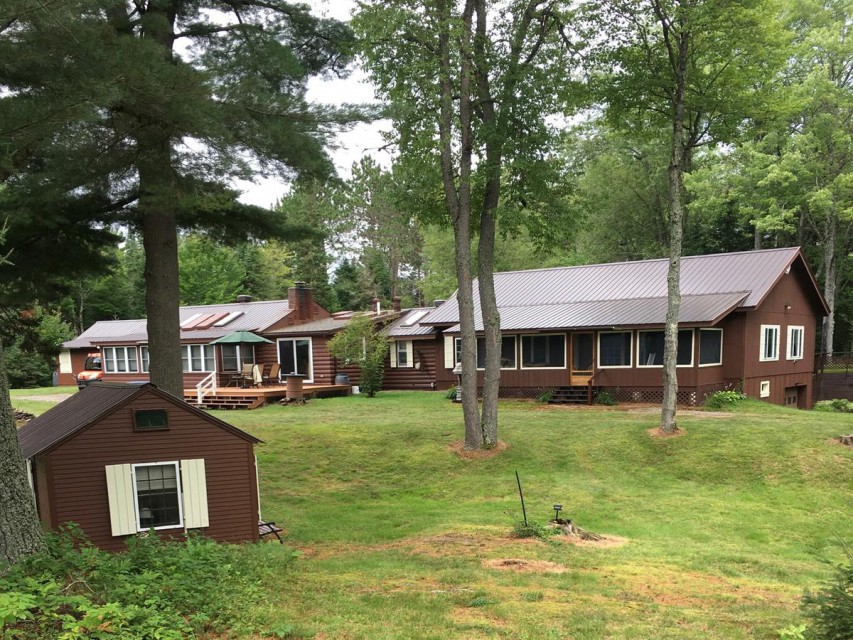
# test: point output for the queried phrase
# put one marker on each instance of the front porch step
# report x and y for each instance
(572, 395)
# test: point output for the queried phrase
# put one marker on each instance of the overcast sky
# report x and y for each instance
(363, 139)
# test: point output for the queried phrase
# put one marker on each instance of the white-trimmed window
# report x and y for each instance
(198, 358)
(710, 347)
(650, 346)
(769, 348)
(144, 358)
(508, 352)
(158, 495)
(614, 349)
(120, 360)
(543, 351)
(764, 389)
(795, 342)
(296, 355)
(234, 356)
(402, 354)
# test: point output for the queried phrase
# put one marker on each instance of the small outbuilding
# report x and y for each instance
(120, 459)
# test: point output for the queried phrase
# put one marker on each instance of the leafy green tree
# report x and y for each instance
(672, 63)
(154, 107)
(362, 342)
(209, 273)
(471, 88)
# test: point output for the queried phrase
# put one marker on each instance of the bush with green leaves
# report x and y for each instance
(838, 405)
(164, 590)
(545, 396)
(363, 344)
(450, 394)
(724, 399)
(532, 529)
(604, 398)
(830, 610)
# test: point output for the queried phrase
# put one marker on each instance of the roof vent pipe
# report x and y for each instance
(377, 307)
(438, 303)
(244, 298)
(395, 303)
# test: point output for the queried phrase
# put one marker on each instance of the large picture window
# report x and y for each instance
(294, 355)
(651, 345)
(769, 348)
(543, 351)
(508, 352)
(795, 343)
(158, 495)
(120, 360)
(710, 347)
(614, 349)
(197, 358)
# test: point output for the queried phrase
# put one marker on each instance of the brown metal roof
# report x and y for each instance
(611, 290)
(694, 310)
(86, 407)
(254, 316)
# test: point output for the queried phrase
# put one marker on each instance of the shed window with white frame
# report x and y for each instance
(769, 348)
(120, 360)
(157, 495)
(795, 342)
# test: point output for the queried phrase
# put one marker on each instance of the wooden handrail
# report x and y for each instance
(207, 383)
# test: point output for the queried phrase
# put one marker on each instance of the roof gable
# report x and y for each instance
(89, 406)
(747, 275)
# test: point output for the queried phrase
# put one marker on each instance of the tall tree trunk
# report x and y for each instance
(157, 204)
(459, 202)
(20, 529)
(830, 281)
(677, 43)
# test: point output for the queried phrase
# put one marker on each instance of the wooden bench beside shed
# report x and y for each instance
(118, 459)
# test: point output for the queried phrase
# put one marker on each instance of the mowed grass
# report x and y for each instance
(715, 533)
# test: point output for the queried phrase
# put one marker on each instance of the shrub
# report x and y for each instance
(544, 397)
(724, 399)
(157, 589)
(450, 394)
(532, 529)
(361, 343)
(838, 405)
(605, 398)
(830, 610)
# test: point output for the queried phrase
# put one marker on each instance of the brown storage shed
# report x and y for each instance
(119, 459)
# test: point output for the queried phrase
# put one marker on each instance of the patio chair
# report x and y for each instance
(269, 529)
(271, 376)
(257, 375)
(244, 377)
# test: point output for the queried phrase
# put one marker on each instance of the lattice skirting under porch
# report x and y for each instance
(691, 396)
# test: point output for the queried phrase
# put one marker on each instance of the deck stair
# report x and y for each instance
(226, 402)
(578, 394)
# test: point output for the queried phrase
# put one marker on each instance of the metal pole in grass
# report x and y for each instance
(521, 495)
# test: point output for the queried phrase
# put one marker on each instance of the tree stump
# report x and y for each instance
(569, 528)
(846, 440)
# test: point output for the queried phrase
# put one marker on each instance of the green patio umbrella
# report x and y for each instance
(241, 337)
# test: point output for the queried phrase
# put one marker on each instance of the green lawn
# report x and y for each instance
(718, 531)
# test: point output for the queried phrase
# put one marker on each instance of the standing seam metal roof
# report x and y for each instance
(750, 274)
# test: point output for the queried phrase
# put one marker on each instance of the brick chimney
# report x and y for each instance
(377, 307)
(300, 298)
(395, 303)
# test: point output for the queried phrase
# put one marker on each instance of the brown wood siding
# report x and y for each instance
(423, 377)
(78, 482)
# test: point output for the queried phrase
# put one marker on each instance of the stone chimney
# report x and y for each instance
(300, 298)
(395, 303)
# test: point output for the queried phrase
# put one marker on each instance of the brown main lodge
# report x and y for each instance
(748, 320)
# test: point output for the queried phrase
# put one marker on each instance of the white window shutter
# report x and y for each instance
(410, 354)
(121, 499)
(448, 352)
(394, 354)
(194, 488)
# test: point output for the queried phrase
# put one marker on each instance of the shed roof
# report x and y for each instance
(253, 316)
(629, 293)
(89, 405)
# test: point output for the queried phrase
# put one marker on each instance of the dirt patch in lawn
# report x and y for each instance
(657, 432)
(459, 449)
(519, 564)
(48, 397)
(606, 542)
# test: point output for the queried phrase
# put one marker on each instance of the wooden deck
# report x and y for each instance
(254, 397)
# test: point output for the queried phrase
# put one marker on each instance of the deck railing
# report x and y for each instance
(208, 385)
(834, 362)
